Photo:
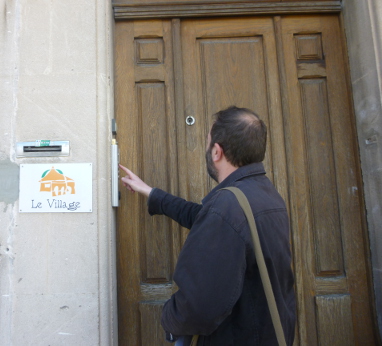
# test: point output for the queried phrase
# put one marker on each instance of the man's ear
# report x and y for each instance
(217, 152)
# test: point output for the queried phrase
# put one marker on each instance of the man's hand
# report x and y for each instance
(134, 183)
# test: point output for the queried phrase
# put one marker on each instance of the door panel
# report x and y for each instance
(290, 70)
(231, 62)
(327, 220)
(147, 246)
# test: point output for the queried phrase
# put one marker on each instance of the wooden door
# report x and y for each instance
(329, 239)
(290, 70)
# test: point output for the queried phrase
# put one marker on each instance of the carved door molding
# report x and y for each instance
(145, 9)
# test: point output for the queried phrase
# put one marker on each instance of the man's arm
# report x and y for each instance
(161, 202)
(178, 209)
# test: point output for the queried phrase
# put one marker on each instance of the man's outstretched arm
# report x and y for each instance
(161, 202)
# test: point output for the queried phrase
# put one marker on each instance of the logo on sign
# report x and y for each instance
(55, 182)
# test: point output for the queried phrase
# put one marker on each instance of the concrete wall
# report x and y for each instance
(363, 25)
(56, 269)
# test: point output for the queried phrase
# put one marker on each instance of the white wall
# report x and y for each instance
(363, 24)
(56, 269)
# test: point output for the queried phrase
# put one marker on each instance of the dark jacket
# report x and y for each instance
(220, 294)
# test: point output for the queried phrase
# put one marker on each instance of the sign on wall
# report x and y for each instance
(58, 187)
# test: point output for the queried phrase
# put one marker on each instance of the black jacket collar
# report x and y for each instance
(242, 172)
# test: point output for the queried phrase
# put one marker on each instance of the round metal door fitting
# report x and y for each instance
(190, 120)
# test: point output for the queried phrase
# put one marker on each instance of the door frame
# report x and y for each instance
(142, 9)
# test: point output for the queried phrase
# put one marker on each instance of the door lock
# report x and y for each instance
(190, 120)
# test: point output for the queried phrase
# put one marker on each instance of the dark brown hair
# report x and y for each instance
(241, 134)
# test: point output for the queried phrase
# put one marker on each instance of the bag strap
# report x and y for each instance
(194, 340)
(243, 201)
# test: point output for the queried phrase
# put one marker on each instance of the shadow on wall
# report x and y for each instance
(9, 182)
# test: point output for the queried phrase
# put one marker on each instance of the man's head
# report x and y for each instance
(241, 135)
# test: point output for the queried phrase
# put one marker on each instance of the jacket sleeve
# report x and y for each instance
(178, 209)
(210, 274)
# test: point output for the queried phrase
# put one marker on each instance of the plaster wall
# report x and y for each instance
(57, 277)
(363, 26)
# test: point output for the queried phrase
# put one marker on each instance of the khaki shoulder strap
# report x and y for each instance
(194, 340)
(243, 201)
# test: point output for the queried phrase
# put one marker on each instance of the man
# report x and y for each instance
(221, 296)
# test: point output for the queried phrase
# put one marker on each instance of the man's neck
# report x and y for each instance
(225, 171)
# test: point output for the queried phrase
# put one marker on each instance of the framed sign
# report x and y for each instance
(56, 188)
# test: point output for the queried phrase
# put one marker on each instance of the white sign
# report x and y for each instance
(56, 188)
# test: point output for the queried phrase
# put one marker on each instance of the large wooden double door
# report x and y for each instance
(291, 70)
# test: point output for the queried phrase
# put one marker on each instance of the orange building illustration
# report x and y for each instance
(57, 183)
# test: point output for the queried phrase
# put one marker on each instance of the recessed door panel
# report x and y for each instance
(323, 175)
